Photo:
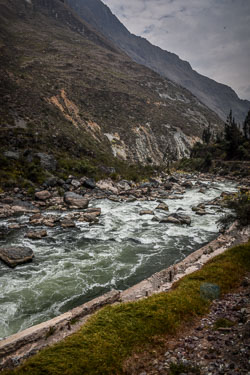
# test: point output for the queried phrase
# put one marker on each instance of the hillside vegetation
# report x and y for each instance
(223, 153)
(69, 92)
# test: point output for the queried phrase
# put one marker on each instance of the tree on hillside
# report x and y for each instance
(246, 126)
(232, 135)
(207, 134)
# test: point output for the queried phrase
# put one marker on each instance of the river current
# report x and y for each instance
(72, 266)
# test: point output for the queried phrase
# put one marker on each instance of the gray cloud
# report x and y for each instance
(213, 35)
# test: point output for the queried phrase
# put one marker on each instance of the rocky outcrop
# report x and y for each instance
(14, 256)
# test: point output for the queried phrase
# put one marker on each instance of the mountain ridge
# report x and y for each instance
(67, 91)
(217, 96)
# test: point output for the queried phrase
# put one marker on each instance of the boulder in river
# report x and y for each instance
(200, 212)
(162, 206)
(146, 212)
(73, 199)
(67, 223)
(36, 235)
(15, 255)
(177, 218)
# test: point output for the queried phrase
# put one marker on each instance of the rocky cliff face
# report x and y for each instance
(67, 90)
(220, 98)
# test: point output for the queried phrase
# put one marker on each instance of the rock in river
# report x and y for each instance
(15, 255)
(162, 206)
(177, 219)
(146, 212)
(73, 199)
(36, 235)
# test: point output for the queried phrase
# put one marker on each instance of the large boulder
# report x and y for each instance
(89, 183)
(15, 255)
(76, 200)
(107, 185)
(124, 185)
(43, 195)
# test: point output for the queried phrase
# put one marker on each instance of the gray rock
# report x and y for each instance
(73, 199)
(43, 195)
(89, 183)
(176, 218)
(12, 155)
(36, 235)
(162, 206)
(114, 198)
(170, 219)
(124, 185)
(15, 255)
(76, 183)
(66, 223)
(51, 182)
(200, 212)
(146, 212)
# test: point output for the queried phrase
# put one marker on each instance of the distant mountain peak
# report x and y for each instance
(219, 97)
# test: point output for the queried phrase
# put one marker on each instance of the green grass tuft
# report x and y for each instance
(115, 332)
(223, 323)
(181, 368)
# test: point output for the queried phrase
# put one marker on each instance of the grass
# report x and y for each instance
(115, 332)
(223, 323)
(181, 368)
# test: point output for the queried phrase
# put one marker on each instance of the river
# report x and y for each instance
(72, 266)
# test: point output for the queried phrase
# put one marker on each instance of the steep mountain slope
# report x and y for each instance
(67, 91)
(220, 98)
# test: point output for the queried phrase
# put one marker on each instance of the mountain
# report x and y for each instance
(220, 98)
(70, 94)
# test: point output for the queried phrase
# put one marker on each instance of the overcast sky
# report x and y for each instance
(212, 35)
